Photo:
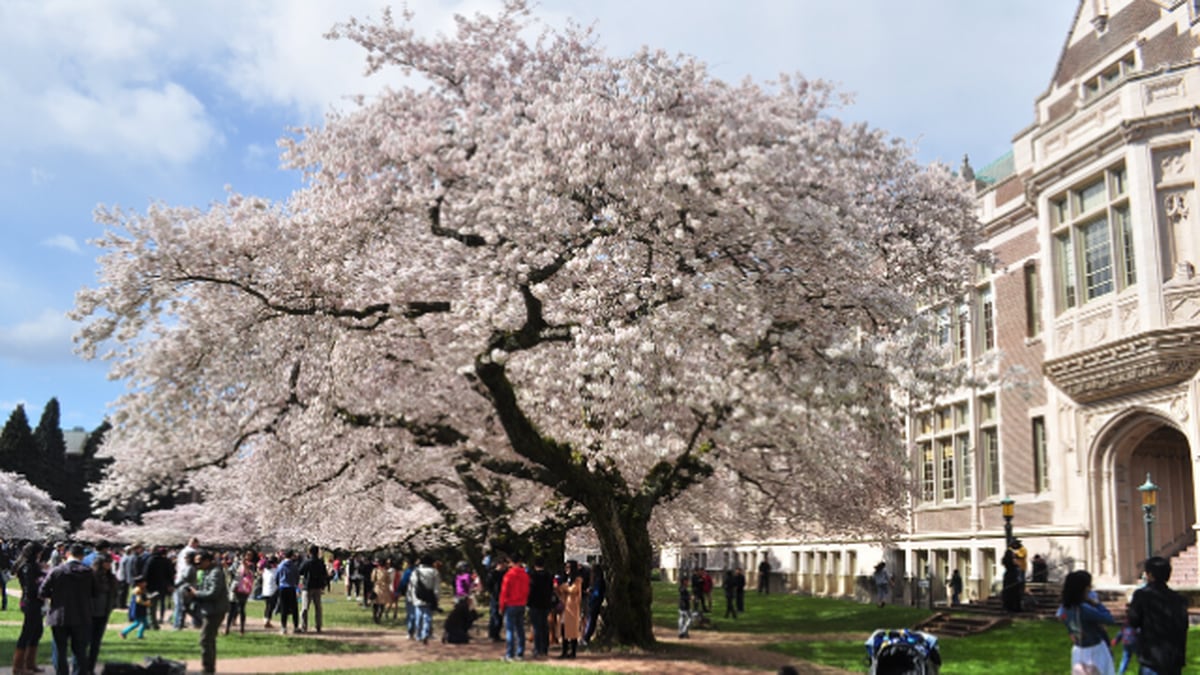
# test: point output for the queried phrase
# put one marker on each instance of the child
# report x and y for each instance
(685, 608)
(139, 609)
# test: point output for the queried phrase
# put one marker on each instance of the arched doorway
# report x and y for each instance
(1134, 445)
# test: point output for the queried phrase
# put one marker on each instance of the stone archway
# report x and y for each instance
(1133, 445)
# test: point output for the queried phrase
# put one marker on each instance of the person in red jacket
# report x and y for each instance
(514, 593)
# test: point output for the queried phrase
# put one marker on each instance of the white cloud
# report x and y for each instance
(64, 241)
(43, 339)
(40, 176)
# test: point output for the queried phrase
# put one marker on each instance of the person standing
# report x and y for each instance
(956, 587)
(315, 578)
(103, 602)
(1160, 616)
(494, 579)
(739, 589)
(242, 584)
(185, 578)
(514, 594)
(212, 602)
(410, 610)
(728, 586)
(1085, 618)
(70, 587)
(883, 583)
(570, 591)
(541, 599)
(597, 592)
(423, 592)
(764, 575)
(685, 609)
(5, 572)
(287, 578)
(270, 589)
(28, 568)
(160, 574)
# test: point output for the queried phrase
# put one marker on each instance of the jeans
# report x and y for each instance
(514, 631)
(685, 621)
(99, 625)
(313, 598)
(31, 629)
(208, 641)
(77, 637)
(541, 630)
(158, 609)
(285, 599)
(410, 618)
(141, 623)
(424, 622)
(495, 620)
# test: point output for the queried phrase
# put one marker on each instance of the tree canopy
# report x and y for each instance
(603, 280)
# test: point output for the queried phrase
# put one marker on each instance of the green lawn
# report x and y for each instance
(1024, 648)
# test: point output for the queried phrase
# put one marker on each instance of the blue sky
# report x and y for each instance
(127, 102)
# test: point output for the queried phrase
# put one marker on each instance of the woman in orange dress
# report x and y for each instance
(570, 591)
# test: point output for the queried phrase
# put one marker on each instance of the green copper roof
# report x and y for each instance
(998, 170)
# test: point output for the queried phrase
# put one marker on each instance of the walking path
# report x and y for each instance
(724, 654)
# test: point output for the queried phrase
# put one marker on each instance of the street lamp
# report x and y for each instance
(1006, 508)
(1149, 500)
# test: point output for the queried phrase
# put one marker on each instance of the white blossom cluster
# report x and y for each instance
(666, 271)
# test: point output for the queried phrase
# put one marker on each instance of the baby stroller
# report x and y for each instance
(903, 652)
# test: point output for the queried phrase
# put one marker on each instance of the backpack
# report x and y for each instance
(404, 579)
(425, 594)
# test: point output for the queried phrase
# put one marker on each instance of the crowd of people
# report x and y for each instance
(74, 590)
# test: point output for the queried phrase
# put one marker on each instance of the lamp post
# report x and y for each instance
(1149, 500)
(1006, 508)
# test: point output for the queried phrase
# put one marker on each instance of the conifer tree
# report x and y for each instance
(18, 450)
(51, 454)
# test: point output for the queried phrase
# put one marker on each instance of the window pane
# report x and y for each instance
(926, 450)
(962, 447)
(991, 453)
(1066, 269)
(987, 408)
(1090, 197)
(1125, 229)
(946, 450)
(1118, 181)
(1041, 473)
(987, 319)
(1097, 258)
(1033, 305)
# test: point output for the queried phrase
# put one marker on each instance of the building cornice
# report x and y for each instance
(1140, 362)
(1128, 131)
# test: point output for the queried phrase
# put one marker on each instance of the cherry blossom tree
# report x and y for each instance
(27, 512)
(620, 285)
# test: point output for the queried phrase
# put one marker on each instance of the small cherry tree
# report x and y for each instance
(619, 284)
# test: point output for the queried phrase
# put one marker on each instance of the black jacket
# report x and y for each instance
(314, 576)
(1161, 615)
(69, 588)
(541, 589)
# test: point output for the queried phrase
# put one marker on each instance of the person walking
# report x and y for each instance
(514, 594)
(28, 568)
(1085, 617)
(381, 585)
(1160, 617)
(685, 609)
(314, 579)
(212, 602)
(541, 599)
(270, 589)
(139, 609)
(104, 600)
(739, 589)
(70, 587)
(495, 577)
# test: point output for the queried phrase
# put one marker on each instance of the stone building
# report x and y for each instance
(1088, 325)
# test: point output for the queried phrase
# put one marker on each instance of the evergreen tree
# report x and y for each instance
(51, 462)
(18, 450)
(91, 471)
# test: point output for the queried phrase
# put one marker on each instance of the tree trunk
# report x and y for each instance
(628, 556)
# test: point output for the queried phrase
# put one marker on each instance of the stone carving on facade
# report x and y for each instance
(1173, 164)
(1066, 413)
(1161, 90)
(1183, 306)
(1128, 314)
(1141, 362)
(1065, 338)
(1095, 328)
(1179, 408)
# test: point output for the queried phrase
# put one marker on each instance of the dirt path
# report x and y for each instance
(722, 654)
